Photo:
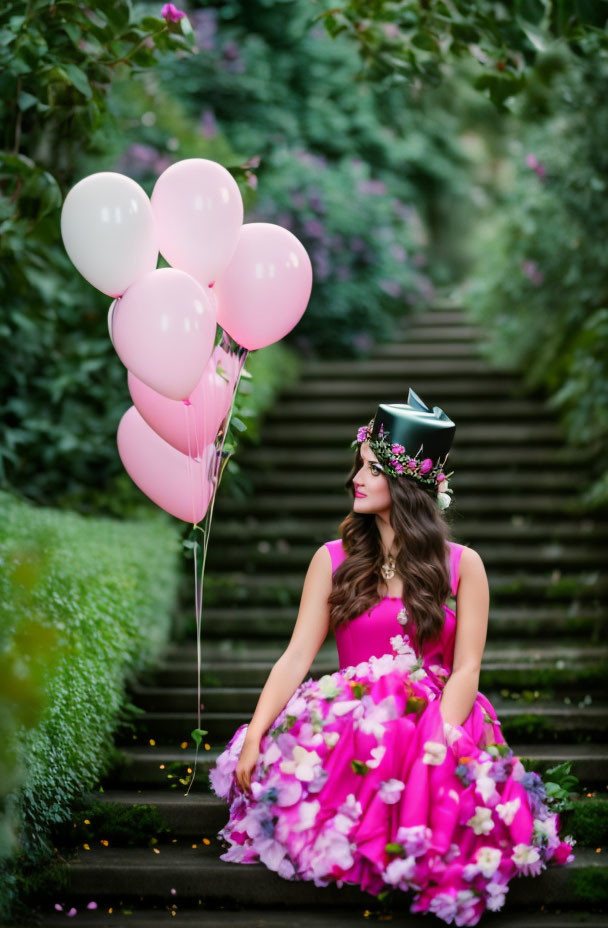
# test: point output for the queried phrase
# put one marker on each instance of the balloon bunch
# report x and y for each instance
(249, 284)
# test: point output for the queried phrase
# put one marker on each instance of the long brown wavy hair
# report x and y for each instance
(421, 559)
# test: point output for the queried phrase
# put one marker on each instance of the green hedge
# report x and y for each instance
(84, 604)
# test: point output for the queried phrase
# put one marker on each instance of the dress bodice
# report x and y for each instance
(370, 633)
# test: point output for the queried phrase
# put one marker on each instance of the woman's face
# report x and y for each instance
(371, 485)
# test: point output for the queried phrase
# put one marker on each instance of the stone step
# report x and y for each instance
(473, 458)
(108, 873)
(217, 695)
(321, 481)
(194, 815)
(411, 374)
(537, 556)
(509, 587)
(138, 916)
(565, 675)
(419, 331)
(247, 622)
(230, 652)
(478, 435)
(330, 409)
(433, 346)
(459, 387)
(339, 503)
(510, 531)
(546, 720)
(161, 766)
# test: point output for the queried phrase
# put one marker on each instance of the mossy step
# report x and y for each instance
(248, 622)
(140, 915)
(161, 766)
(108, 873)
(538, 555)
(285, 588)
(220, 695)
(547, 721)
(331, 409)
(480, 434)
(566, 676)
(198, 814)
(227, 652)
(508, 531)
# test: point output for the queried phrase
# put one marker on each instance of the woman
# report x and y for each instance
(392, 772)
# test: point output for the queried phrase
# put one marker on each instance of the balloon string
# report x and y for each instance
(217, 469)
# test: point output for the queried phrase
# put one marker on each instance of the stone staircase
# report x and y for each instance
(544, 666)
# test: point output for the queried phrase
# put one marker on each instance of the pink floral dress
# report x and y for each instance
(359, 781)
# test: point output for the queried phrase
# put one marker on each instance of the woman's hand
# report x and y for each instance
(246, 764)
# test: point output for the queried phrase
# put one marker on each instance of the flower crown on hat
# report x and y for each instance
(397, 462)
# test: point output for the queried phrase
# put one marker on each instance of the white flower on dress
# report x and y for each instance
(434, 752)
(401, 645)
(451, 733)
(390, 790)
(348, 814)
(345, 706)
(399, 872)
(377, 753)
(302, 765)
(328, 687)
(414, 838)
(527, 859)
(506, 810)
(380, 666)
(331, 738)
(481, 822)
(308, 815)
(271, 754)
(376, 714)
(487, 860)
(496, 895)
(418, 674)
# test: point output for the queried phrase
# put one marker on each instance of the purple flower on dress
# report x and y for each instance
(426, 466)
(394, 462)
(412, 463)
(171, 13)
(362, 433)
(398, 449)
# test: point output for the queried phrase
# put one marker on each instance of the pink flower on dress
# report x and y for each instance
(171, 13)
(563, 853)
(398, 449)
(397, 465)
(412, 463)
(426, 466)
(362, 433)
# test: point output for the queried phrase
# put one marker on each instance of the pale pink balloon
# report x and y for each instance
(178, 484)
(265, 289)
(198, 210)
(164, 330)
(188, 425)
(109, 231)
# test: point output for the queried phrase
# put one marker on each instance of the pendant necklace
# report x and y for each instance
(388, 571)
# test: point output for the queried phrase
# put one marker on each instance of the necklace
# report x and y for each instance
(388, 568)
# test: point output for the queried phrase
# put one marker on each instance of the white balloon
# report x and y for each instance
(111, 319)
(109, 232)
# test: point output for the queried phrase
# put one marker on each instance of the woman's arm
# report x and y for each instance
(308, 635)
(472, 608)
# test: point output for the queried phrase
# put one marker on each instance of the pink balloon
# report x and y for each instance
(191, 425)
(179, 485)
(265, 289)
(198, 210)
(164, 330)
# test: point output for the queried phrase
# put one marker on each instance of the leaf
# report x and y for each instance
(197, 735)
(238, 424)
(78, 79)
